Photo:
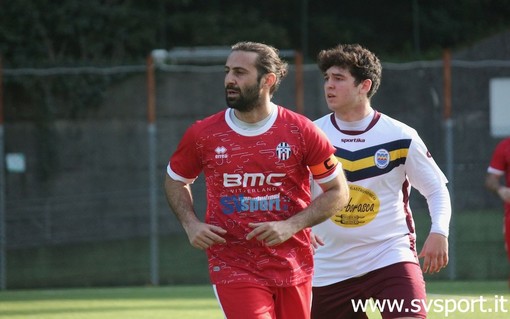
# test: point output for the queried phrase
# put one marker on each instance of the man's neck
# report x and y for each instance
(355, 114)
(257, 114)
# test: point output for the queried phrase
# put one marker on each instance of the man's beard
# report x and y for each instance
(247, 100)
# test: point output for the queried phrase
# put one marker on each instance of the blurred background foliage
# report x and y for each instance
(41, 33)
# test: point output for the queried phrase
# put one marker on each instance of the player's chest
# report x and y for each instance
(269, 152)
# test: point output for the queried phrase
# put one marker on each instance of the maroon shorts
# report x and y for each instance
(253, 301)
(398, 290)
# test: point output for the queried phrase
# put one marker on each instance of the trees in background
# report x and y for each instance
(74, 32)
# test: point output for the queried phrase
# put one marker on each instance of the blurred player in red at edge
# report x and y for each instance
(256, 157)
(499, 167)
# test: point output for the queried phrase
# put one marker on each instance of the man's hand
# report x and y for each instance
(504, 193)
(434, 253)
(271, 233)
(203, 236)
(316, 241)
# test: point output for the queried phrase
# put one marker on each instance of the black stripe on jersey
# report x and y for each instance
(360, 164)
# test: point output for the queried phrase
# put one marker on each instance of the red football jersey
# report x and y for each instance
(255, 176)
(500, 164)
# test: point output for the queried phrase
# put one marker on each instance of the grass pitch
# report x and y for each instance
(471, 299)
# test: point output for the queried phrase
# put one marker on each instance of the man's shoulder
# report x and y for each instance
(505, 141)
(321, 121)
(210, 120)
(504, 145)
(286, 112)
(397, 124)
(291, 116)
(206, 126)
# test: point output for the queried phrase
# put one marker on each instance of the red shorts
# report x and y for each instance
(252, 301)
(395, 286)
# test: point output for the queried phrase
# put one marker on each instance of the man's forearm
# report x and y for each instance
(492, 183)
(327, 204)
(180, 200)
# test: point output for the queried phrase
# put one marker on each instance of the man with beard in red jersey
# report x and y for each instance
(256, 157)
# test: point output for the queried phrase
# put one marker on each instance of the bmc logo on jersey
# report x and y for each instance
(252, 179)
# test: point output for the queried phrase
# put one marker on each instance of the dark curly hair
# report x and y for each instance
(361, 63)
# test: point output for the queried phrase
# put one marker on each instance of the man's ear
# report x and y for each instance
(365, 86)
(269, 80)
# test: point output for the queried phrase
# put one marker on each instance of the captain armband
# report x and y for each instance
(324, 169)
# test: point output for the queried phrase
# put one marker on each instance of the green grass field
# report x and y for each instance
(198, 302)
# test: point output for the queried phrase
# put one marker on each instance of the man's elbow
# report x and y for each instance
(341, 193)
(344, 196)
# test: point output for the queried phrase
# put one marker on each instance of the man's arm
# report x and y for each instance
(435, 249)
(334, 198)
(493, 184)
(180, 199)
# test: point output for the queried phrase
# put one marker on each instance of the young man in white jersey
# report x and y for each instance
(256, 158)
(369, 247)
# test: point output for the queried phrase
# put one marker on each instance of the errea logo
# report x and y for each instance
(221, 152)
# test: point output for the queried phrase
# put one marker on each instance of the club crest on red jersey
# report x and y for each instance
(283, 151)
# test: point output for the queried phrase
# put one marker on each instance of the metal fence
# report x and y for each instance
(94, 164)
